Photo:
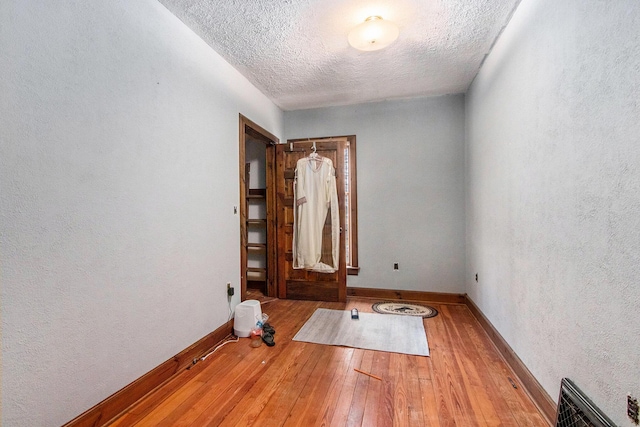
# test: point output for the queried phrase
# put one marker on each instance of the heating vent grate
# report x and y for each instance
(576, 410)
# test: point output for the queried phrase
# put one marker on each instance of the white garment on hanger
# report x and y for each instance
(315, 193)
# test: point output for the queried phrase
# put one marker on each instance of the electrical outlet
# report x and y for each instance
(632, 409)
(396, 266)
(476, 277)
(230, 290)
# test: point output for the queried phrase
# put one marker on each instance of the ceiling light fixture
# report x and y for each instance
(373, 34)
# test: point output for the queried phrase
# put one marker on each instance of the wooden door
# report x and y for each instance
(304, 284)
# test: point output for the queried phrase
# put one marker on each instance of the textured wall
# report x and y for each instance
(410, 159)
(118, 175)
(553, 194)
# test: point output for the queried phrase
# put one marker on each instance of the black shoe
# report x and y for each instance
(268, 339)
(268, 329)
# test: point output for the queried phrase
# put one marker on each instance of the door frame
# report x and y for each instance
(247, 126)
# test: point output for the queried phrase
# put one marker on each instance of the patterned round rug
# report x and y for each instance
(404, 308)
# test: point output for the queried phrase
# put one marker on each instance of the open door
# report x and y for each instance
(305, 284)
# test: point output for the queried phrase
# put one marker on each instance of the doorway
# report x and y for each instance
(257, 209)
(266, 216)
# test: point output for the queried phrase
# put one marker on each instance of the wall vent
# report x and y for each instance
(577, 410)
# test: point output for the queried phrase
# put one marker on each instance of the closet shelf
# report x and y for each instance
(256, 274)
(257, 193)
(255, 230)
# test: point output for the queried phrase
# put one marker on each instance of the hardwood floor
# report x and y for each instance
(464, 382)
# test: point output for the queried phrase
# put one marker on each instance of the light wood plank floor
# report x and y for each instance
(464, 382)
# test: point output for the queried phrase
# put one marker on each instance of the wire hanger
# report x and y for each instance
(314, 155)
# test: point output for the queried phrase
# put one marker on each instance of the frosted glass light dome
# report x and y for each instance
(373, 34)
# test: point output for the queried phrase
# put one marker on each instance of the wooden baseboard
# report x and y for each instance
(393, 294)
(115, 404)
(539, 396)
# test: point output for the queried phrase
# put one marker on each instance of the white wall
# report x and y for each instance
(553, 194)
(410, 160)
(118, 174)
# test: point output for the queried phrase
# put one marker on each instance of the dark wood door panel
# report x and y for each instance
(315, 291)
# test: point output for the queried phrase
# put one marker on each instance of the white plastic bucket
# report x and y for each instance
(247, 314)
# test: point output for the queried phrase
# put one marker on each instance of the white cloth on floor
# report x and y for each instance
(315, 194)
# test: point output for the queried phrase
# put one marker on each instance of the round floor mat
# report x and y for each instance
(405, 309)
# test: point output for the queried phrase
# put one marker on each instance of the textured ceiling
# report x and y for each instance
(296, 51)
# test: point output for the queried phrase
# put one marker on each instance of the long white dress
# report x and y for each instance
(315, 193)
